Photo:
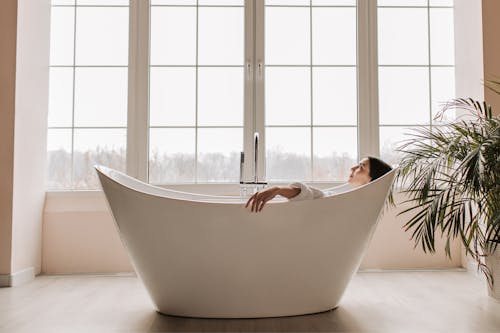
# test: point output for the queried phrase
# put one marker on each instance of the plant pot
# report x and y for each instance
(493, 263)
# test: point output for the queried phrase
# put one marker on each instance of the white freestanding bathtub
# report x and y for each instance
(208, 256)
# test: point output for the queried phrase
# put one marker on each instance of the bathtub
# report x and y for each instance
(207, 256)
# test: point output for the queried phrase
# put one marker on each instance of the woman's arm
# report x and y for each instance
(259, 199)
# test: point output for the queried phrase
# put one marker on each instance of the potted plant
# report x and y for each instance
(450, 176)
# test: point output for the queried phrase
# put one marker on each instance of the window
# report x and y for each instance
(201, 76)
(416, 66)
(88, 90)
(310, 89)
(196, 98)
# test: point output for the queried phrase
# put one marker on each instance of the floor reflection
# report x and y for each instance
(337, 320)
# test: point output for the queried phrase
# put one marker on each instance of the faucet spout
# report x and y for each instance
(251, 187)
(256, 156)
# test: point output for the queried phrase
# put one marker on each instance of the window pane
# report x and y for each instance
(59, 158)
(287, 2)
(334, 2)
(443, 90)
(221, 2)
(172, 97)
(97, 146)
(402, 2)
(442, 36)
(174, 2)
(103, 2)
(441, 2)
(390, 139)
(288, 96)
(404, 96)
(220, 96)
(102, 36)
(62, 25)
(335, 96)
(287, 36)
(314, 2)
(335, 152)
(219, 154)
(101, 97)
(288, 154)
(63, 2)
(334, 36)
(171, 155)
(60, 97)
(173, 35)
(220, 36)
(402, 35)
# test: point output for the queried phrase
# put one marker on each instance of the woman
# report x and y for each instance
(368, 169)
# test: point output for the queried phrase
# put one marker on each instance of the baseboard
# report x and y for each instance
(91, 274)
(17, 278)
(4, 280)
(404, 270)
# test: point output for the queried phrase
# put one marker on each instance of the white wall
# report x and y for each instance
(32, 76)
(469, 67)
(24, 45)
(79, 235)
(24, 26)
(469, 49)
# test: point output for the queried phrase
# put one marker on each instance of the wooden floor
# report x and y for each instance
(447, 301)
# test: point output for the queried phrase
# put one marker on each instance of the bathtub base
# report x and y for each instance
(245, 317)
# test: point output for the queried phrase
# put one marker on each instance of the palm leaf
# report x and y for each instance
(493, 85)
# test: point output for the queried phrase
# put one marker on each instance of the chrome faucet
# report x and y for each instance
(242, 162)
(255, 165)
(255, 157)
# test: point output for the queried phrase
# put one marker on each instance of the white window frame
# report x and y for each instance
(368, 106)
(138, 91)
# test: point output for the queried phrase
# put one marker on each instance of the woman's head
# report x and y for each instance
(368, 169)
(378, 168)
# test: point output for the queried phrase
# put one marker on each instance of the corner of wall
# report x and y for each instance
(469, 49)
(8, 35)
(18, 278)
(30, 134)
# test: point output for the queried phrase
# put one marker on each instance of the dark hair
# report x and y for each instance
(378, 168)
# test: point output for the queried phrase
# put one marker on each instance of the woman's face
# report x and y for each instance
(360, 173)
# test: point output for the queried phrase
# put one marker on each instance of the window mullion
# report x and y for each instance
(259, 84)
(138, 90)
(367, 77)
(249, 93)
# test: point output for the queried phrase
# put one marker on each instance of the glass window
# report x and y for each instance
(196, 91)
(172, 155)
(215, 76)
(288, 153)
(88, 91)
(311, 90)
(416, 67)
(173, 36)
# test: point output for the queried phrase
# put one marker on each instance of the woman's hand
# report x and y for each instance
(259, 199)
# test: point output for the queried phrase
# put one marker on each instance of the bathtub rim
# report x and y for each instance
(207, 198)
